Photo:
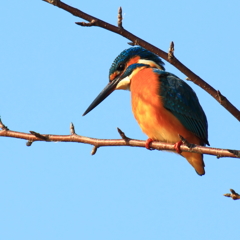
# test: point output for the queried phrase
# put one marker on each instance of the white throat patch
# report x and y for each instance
(124, 84)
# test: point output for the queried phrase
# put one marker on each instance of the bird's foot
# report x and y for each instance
(147, 144)
(177, 147)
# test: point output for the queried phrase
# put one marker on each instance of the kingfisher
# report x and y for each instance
(164, 105)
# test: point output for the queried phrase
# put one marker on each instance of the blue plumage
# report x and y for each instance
(179, 98)
(129, 53)
(164, 105)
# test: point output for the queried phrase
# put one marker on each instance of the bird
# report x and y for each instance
(163, 105)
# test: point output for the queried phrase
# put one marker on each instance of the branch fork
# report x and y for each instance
(233, 195)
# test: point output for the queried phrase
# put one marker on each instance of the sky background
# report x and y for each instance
(52, 69)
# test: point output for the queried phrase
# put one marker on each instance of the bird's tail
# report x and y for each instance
(196, 160)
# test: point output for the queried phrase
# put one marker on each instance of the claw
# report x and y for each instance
(177, 147)
(147, 144)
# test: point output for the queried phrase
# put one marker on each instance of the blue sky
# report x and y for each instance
(52, 69)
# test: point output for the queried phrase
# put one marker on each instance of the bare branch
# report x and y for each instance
(125, 141)
(233, 195)
(138, 41)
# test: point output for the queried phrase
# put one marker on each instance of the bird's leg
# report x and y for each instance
(177, 146)
(147, 144)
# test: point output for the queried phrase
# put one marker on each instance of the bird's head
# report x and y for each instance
(126, 64)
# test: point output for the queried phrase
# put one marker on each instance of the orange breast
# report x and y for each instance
(155, 121)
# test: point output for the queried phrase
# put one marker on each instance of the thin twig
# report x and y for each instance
(233, 195)
(136, 40)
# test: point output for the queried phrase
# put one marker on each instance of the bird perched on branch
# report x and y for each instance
(163, 105)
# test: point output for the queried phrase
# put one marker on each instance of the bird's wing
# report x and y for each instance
(179, 98)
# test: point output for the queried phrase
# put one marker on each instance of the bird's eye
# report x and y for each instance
(121, 67)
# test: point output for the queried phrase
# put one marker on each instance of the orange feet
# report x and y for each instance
(148, 142)
(177, 146)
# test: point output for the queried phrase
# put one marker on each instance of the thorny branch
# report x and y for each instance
(93, 21)
(233, 195)
(125, 141)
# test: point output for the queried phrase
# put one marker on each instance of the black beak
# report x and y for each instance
(103, 94)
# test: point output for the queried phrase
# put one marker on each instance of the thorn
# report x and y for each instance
(89, 24)
(187, 78)
(94, 150)
(171, 51)
(2, 126)
(120, 17)
(131, 43)
(38, 135)
(72, 129)
(123, 136)
(29, 143)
